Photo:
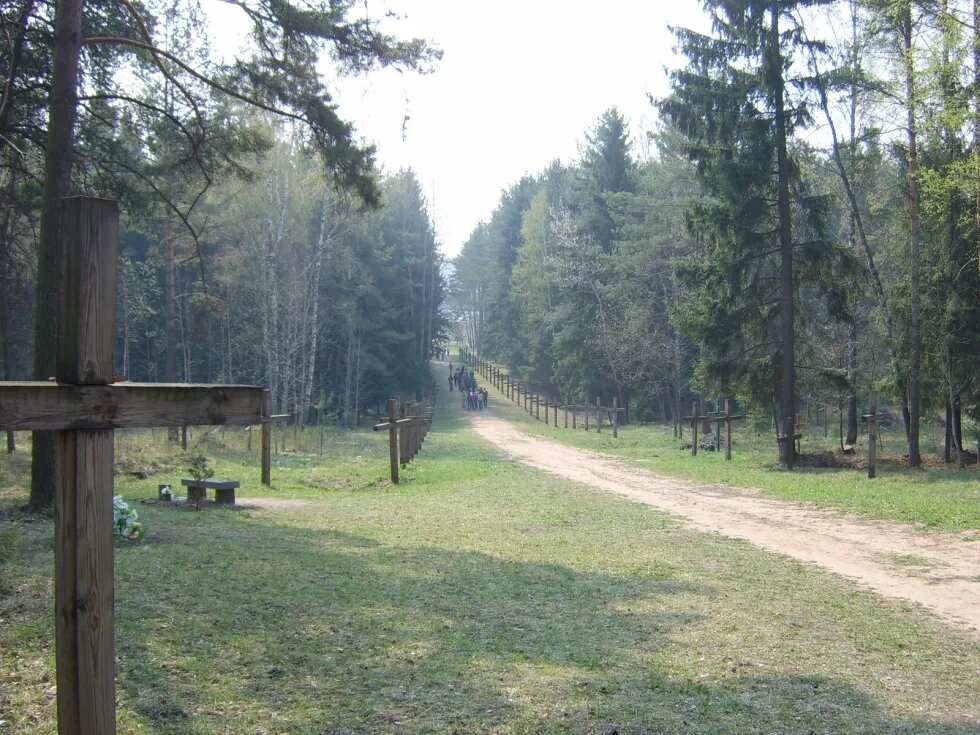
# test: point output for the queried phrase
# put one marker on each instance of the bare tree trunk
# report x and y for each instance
(5, 347)
(170, 356)
(976, 121)
(270, 319)
(855, 212)
(313, 326)
(124, 272)
(787, 447)
(58, 158)
(915, 245)
(357, 382)
(229, 366)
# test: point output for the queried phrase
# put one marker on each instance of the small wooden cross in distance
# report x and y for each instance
(728, 417)
(871, 418)
(82, 408)
(694, 418)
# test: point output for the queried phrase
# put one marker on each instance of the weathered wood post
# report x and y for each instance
(537, 406)
(84, 602)
(728, 429)
(574, 416)
(598, 416)
(416, 429)
(83, 408)
(694, 428)
(554, 412)
(585, 412)
(393, 426)
(565, 409)
(267, 438)
(872, 419)
(729, 418)
(615, 417)
(393, 438)
(403, 434)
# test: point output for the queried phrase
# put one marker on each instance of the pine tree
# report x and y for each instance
(761, 229)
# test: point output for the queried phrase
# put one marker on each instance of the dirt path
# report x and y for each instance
(939, 571)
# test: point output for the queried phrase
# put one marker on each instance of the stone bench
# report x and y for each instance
(224, 490)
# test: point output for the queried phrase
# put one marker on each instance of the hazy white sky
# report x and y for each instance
(520, 83)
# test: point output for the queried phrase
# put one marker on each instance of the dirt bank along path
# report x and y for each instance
(939, 571)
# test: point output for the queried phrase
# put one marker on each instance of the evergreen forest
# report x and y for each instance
(801, 230)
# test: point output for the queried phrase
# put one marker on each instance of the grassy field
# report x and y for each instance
(940, 497)
(476, 597)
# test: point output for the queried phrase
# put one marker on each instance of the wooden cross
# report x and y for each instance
(798, 435)
(727, 418)
(694, 418)
(83, 407)
(872, 418)
(406, 434)
(392, 426)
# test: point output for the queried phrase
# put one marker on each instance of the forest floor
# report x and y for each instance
(478, 595)
(938, 570)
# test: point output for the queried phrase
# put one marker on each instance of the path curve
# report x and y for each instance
(867, 551)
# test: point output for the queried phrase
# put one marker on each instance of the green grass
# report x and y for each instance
(478, 596)
(944, 498)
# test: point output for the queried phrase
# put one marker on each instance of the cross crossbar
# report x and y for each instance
(83, 408)
(48, 406)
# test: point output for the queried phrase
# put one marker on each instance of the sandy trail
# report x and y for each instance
(891, 558)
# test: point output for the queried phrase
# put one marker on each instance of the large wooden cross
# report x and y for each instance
(83, 407)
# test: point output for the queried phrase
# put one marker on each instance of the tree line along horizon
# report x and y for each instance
(738, 259)
(742, 258)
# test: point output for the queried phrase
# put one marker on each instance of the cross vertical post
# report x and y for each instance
(717, 425)
(393, 438)
(84, 602)
(267, 438)
(872, 420)
(615, 417)
(82, 409)
(728, 429)
(694, 418)
(728, 417)
(403, 435)
(598, 416)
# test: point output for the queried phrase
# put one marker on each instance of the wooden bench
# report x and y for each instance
(224, 490)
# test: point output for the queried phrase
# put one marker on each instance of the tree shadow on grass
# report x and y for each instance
(278, 629)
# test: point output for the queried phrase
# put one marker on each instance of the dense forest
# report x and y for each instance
(805, 231)
(261, 244)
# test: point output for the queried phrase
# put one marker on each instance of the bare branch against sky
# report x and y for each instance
(520, 83)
